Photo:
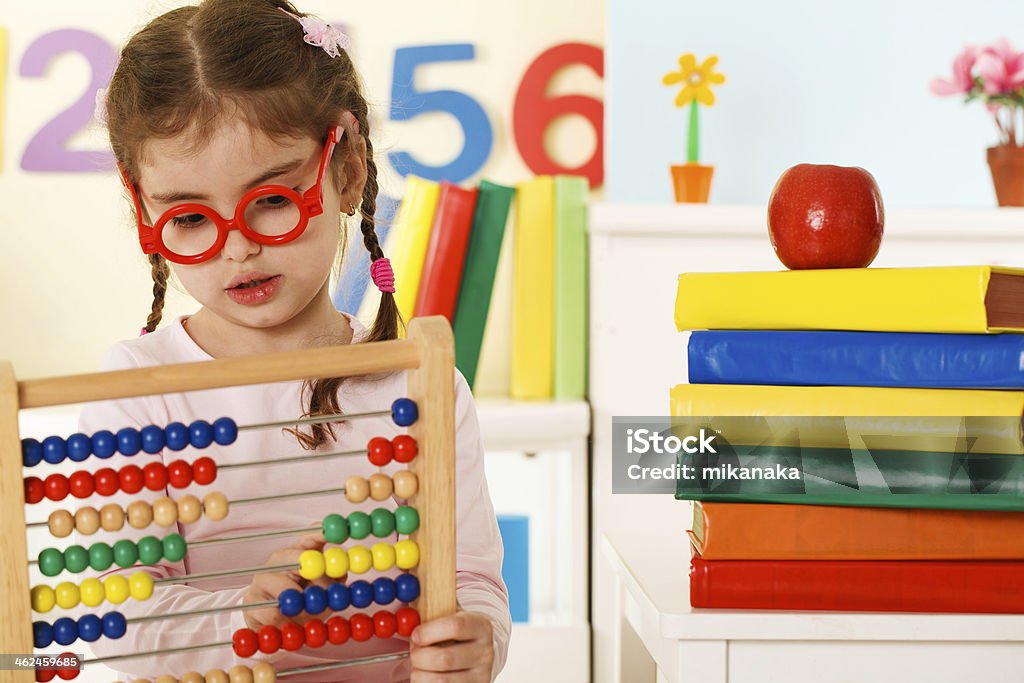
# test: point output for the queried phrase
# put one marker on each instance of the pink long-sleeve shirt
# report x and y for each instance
(479, 585)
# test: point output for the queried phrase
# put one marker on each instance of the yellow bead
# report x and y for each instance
(111, 517)
(359, 559)
(189, 509)
(67, 594)
(407, 554)
(61, 523)
(140, 514)
(216, 676)
(264, 673)
(311, 564)
(87, 520)
(215, 505)
(240, 674)
(383, 556)
(192, 677)
(381, 487)
(165, 512)
(406, 484)
(92, 592)
(140, 585)
(336, 561)
(116, 589)
(356, 489)
(166, 678)
(43, 598)
(141, 680)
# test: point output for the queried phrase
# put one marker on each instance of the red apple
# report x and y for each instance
(822, 216)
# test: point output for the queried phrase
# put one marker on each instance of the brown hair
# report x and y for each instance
(189, 70)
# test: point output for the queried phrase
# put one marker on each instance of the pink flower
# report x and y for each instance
(1001, 68)
(962, 81)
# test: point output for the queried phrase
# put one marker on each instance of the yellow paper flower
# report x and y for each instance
(697, 80)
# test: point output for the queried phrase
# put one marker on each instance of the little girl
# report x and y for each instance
(242, 138)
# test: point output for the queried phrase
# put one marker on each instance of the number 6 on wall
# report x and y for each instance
(408, 103)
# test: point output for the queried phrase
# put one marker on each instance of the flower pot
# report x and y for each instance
(1007, 165)
(692, 182)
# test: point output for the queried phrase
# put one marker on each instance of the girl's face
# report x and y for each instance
(247, 283)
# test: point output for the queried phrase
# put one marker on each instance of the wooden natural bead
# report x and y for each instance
(381, 487)
(165, 512)
(140, 515)
(215, 506)
(61, 523)
(87, 520)
(356, 489)
(189, 509)
(111, 517)
(166, 678)
(240, 674)
(217, 676)
(406, 484)
(141, 680)
(192, 677)
(264, 673)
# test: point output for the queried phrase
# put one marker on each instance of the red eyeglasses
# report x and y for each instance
(269, 214)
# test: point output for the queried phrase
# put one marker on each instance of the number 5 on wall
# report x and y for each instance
(408, 103)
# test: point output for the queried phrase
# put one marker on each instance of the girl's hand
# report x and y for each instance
(456, 648)
(268, 586)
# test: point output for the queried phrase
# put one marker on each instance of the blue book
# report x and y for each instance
(875, 359)
(515, 567)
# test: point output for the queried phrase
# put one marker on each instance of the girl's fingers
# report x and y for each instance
(455, 657)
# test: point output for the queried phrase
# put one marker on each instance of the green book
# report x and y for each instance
(570, 287)
(489, 219)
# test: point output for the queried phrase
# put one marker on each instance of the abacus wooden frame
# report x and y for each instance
(427, 353)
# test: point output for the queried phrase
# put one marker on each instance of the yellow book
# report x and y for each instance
(533, 290)
(965, 299)
(941, 420)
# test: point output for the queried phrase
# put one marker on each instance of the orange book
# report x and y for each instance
(751, 531)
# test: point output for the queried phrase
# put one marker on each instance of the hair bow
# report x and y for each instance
(321, 34)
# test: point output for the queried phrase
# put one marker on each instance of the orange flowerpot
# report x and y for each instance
(1007, 165)
(692, 182)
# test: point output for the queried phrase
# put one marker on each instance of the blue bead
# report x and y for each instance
(79, 447)
(42, 634)
(404, 411)
(104, 444)
(114, 625)
(407, 587)
(128, 441)
(384, 591)
(338, 597)
(290, 602)
(90, 628)
(200, 434)
(54, 450)
(65, 631)
(361, 594)
(31, 452)
(152, 439)
(316, 599)
(225, 431)
(177, 436)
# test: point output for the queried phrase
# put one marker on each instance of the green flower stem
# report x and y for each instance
(693, 139)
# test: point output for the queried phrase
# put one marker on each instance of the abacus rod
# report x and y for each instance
(263, 569)
(289, 672)
(169, 651)
(300, 458)
(200, 612)
(313, 668)
(319, 419)
(283, 496)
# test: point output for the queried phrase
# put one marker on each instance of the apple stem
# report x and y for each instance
(693, 137)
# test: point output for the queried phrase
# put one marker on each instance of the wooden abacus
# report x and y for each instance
(427, 353)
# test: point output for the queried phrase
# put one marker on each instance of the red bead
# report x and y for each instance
(131, 478)
(35, 490)
(384, 624)
(362, 627)
(405, 448)
(293, 636)
(204, 470)
(107, 481)
(82, 484)
(316, 633)
(46, 674)
(338, 631)
(244, 642)
(270, 639)
(179, 473)
(57, 487)
(408, 619)
(155, 474)
(68, 674)
(379, 451)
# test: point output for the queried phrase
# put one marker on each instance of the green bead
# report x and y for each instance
(383, 522)
(100, 556)
(126, 553)
(76, 559)
(335, 529)
(174, 547)
(407, 520)
(51, 562)
(359, 525)
(151, 550)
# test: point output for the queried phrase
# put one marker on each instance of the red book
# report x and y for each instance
(446, 253)
(863, 586)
